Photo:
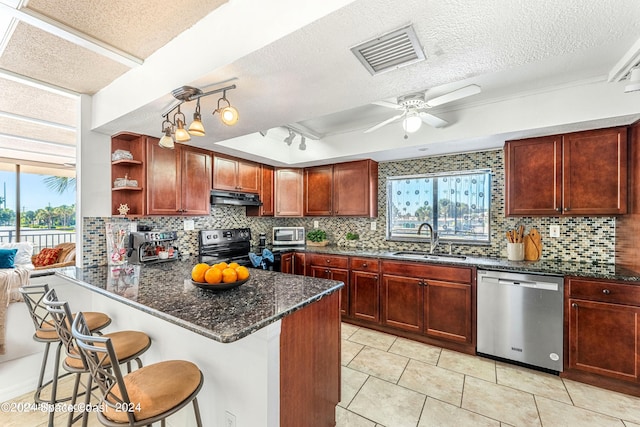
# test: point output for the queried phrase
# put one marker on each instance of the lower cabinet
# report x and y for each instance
(286, 263)
(602, 321)
(334, 268)
(364, 289)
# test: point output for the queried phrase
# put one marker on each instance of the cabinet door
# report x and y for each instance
(195, 173)
(248, 179)
(447, 310)
(342, 276)
(286, 263)
(266, 194)
(533, 176)
(288, 192)
(224, 173)
(355, 191)
(595, 172)
(318, 191)
(603, 338)
(402, 305)
(299, 267)
(162, 181)
(364, 295)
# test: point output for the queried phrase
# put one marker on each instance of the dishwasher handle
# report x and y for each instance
(547, 286)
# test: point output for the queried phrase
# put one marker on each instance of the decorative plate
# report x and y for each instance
(219, 286)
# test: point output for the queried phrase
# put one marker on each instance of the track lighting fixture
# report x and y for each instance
(292, 134)
(303, 143)
(634, 81)
(175, 131)
(289, 138)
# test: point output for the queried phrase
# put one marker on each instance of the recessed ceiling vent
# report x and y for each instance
(393, 50)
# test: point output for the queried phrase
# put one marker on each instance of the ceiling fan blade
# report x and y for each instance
(432, 120)
(386, 122)
(463, 92)
(387, 104)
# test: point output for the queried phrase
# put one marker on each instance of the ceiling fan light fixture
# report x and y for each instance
(412, 122)
(463, 92)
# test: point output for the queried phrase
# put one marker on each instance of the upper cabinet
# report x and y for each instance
(265, 192)
(288, 192)
(582, 173)
(343, 189)
(230, 173)
(128, 173)
(179, 180)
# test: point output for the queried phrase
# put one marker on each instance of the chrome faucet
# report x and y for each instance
(434, 236)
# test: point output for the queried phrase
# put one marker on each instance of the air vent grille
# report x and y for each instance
(390, 51)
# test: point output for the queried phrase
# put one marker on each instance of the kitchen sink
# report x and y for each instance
(427, 255)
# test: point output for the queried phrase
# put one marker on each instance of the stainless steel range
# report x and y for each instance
(229, 245)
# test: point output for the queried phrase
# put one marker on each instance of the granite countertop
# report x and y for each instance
(543, 266)
(165, 291)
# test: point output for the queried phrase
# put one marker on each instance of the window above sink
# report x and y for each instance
(456, 204)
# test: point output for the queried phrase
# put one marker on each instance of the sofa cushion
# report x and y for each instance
(47, 256)
(24, 254)
(7, 257)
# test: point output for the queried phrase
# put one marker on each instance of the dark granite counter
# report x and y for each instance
(543, 266)
(165, 291)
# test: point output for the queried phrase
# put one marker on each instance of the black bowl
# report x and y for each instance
(219, 286)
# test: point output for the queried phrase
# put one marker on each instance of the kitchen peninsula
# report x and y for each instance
(269, 349)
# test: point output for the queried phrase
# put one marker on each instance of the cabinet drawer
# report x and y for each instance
(596, 290)
(429, 271)
(364, 264)
(329, 261)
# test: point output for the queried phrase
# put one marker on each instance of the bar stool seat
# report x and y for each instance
(95, 320)
(127, 344)
(151, 393)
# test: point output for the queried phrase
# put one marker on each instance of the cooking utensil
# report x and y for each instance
(533, 245)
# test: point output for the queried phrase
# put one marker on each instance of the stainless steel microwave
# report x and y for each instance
(288, 236)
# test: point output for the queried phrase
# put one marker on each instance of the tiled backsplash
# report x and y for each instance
(583, 239)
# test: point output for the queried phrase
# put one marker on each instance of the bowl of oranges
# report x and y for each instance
(219, 277)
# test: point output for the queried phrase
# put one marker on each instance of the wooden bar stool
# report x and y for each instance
(149, 394)
(45, 332)
(128, 346)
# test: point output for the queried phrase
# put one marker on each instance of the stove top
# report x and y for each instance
(229, 245)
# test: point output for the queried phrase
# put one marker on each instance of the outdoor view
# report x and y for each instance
(47, 207)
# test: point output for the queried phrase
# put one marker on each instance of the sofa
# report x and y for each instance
(62, 255)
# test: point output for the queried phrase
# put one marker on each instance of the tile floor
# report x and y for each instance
(392, 382)
(389, 381)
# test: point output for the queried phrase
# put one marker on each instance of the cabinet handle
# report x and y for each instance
(364, 265)
(566, 209)
(606, 291)
(328, 260)
(558, 209)
(574, 305)
(375, 277)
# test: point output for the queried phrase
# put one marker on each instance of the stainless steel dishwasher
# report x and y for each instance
(520, 318)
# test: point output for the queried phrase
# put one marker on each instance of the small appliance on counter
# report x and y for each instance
(152, 246)
(289, 236)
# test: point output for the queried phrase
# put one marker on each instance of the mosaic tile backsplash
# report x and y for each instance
(583, 239)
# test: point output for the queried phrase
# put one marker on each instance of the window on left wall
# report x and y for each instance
(37, 204)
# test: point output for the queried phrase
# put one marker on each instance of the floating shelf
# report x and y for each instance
(126, 188)
(126, 162)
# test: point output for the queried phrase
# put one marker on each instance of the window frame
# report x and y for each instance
(443, 238)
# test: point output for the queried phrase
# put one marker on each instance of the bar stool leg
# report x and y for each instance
(43, 367)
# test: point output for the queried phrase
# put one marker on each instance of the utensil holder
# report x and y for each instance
(515, 251)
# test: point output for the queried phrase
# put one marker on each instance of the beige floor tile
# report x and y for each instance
(478, 367)
(538, 383)
(388, 404)
(499, 402)
(345, 418)
(553, 413)
(349, 351)
(351, 383)
(373, 339)
(630, 424)
(433, 381)
(416, 350)
(441, 414)
(347, 330)
(379, 363)
(604, 401)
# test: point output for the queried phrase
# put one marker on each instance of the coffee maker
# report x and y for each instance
(152, 246)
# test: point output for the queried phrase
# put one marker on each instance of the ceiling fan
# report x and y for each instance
(413, 108)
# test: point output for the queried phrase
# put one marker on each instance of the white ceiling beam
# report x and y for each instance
(28, 81)
(628, 61)
(40, 122)
(72, 35)
(38, 141)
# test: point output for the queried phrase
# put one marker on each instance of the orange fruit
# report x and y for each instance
(243, 272)
(198, 271)
(234, 265)
(221, 265)
(229, 275)
(213, 275)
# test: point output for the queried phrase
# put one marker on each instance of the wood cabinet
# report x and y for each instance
(602, 319)
(582, 173)
(334, 268)
(318, 191)
(179, 180)
(364, 289)
(130, 169)
(299, 265)
(288, 192)
(286, 263)
(265, 192)
(433, 300)
(234, 174)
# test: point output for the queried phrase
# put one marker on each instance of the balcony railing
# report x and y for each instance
(39, 238)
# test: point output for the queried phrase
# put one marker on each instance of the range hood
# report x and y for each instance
(219, 197)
